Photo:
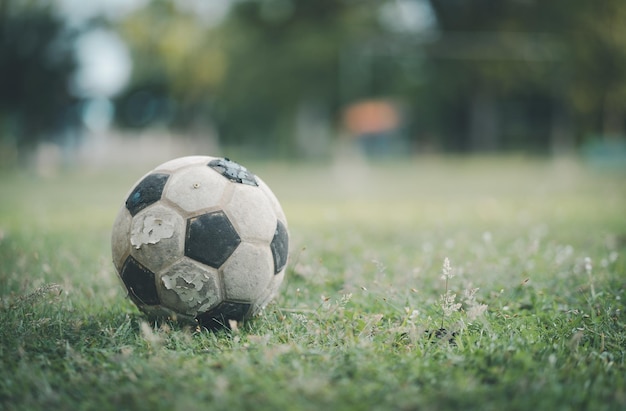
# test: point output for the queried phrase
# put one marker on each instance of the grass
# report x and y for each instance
(356, 325)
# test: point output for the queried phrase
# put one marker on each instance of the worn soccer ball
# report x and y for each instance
(201, 239)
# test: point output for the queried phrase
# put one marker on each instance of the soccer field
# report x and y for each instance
(532, 315)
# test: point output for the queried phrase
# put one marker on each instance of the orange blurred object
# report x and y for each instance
(370, 117)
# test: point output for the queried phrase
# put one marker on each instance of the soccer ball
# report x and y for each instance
(201, 239)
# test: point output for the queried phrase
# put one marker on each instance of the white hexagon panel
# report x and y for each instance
(251, 212)
(189, 287)
(270, 292)
(273, 200)
(120, 246)
(181, 162)
(196, 188)
(157, 236)
(247, 272)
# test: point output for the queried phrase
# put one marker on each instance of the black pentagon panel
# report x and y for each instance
(140, 282)
(233, 171)
(280, 247)
(218, 317)
(147, 192)
(211, 239)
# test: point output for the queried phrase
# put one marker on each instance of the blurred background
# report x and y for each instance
(113, 82)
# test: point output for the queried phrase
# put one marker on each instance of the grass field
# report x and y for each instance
(533, 319)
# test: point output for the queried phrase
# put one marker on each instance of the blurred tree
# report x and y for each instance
(596, 34)
(250, 75)
(36, 65)
(178, 63)
(280, 53)
(494, 68)
(522, 74)
(487, 74)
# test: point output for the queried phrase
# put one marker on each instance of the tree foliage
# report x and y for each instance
(250, 73)
(485, 75)
(36, 65)
(177, 65)
(550, 59)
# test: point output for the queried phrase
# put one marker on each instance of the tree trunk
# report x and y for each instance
(483, 132)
